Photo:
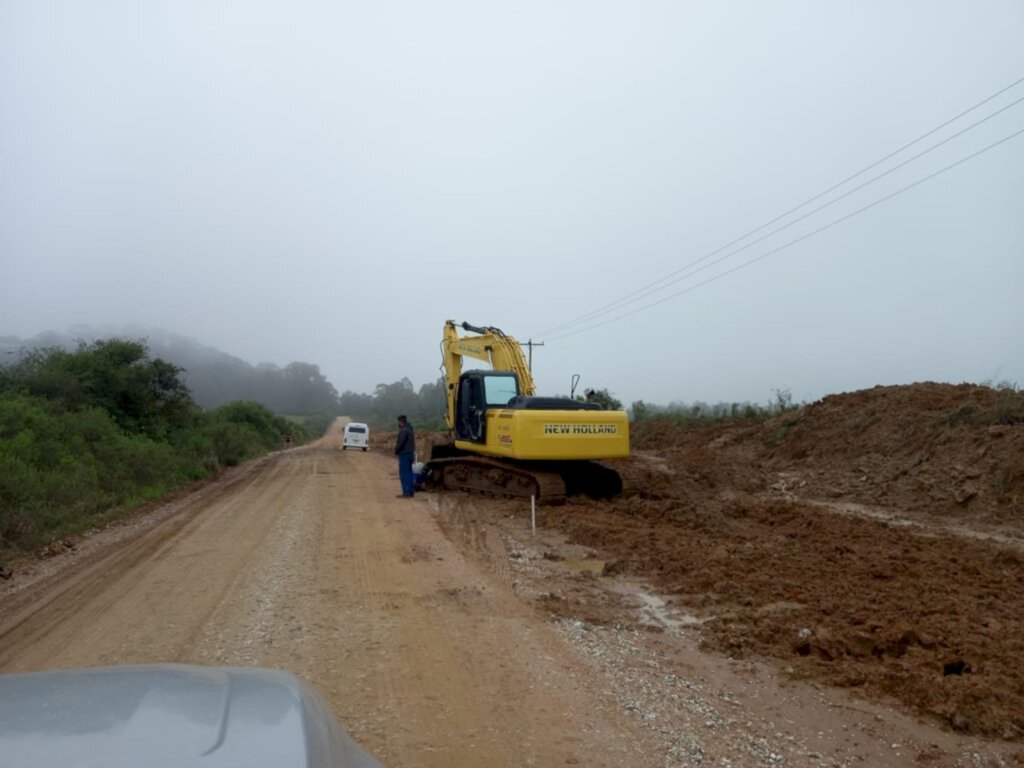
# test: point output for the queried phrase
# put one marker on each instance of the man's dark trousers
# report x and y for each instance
(405, 472)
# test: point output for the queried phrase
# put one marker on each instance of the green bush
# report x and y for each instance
(317, 424)
(268, 427)
(116, 375)
(234, 443)
(1008, 408)
(58, 470)
(86, 433)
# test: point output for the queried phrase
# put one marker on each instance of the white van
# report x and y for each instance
(356, 436)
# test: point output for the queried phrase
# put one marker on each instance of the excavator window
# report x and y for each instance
(498, 390)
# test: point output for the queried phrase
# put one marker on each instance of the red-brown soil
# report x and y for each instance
(873, 540)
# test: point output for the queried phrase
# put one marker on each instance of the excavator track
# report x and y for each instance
(550, 482)
(477, 474)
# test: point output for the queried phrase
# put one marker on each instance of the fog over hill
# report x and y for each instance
(213, 377)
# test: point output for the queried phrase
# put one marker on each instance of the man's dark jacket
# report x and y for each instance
(406, 442)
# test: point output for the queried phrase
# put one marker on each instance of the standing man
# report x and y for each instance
(405, 450)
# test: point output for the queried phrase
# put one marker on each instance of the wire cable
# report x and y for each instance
(641, 294)
(800, 239)
(618, 303)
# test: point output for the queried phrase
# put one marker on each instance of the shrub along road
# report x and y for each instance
(441, 632)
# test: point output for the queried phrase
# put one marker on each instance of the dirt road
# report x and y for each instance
(440, 630)
(306, 561)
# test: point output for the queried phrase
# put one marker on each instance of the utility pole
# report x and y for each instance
(530, 345)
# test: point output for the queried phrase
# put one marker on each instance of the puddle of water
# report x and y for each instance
(581, 565)
(655, 610)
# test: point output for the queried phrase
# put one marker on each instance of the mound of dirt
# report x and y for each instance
(873, 540)
(930, 448)
(933, 448)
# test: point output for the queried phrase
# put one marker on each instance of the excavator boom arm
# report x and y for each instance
(502, 352)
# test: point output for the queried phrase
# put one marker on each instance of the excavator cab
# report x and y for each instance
(479, 391)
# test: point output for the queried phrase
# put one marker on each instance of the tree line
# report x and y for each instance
(424, 407)
(85, 433)
(699, 412)
(212, 377)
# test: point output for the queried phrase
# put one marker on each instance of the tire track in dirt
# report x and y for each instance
(157, 592)
(257, 613)
(920, 525)
(306, 561)
(87, 573)
(455, 658)
(410, 661)
(460, 521)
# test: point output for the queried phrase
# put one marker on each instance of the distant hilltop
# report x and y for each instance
(213, 377)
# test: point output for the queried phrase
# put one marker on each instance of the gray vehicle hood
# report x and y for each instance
(167, 715)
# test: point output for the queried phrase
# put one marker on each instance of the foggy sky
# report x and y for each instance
(329, 182)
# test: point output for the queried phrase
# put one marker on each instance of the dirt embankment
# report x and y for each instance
(873, 540)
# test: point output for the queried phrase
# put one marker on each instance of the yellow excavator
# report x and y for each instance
(506, 440)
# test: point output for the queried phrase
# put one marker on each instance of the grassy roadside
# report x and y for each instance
(90, 436)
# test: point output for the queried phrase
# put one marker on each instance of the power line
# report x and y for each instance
(800, 239)
(665, 282)
(645, 289)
